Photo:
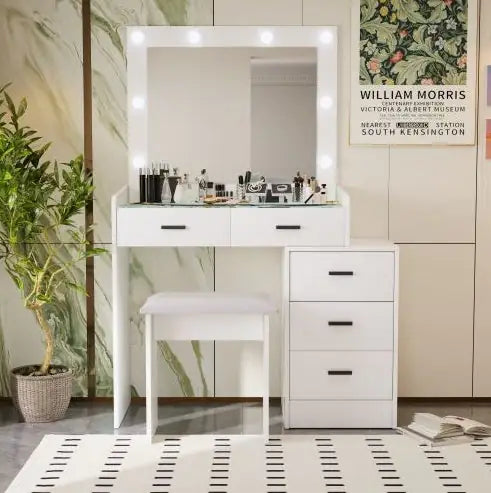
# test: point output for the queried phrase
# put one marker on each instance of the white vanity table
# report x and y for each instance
(339, 306)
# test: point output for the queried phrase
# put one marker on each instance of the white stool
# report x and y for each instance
(204, 317)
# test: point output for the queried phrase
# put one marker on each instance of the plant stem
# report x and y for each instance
(48, 335)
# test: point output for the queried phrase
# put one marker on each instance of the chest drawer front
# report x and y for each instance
(341, 326)
(341, 276)
(278, 227)
(341, 414)
(340, 375)
(167, 226)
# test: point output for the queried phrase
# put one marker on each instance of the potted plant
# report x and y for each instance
(39, 203)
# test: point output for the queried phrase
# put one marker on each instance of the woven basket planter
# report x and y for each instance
(40, 399)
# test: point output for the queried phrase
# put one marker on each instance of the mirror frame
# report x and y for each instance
(323, 38)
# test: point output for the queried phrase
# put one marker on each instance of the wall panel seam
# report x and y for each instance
(89, 209)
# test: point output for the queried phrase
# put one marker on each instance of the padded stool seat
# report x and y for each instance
(192, 316)
(187, 303)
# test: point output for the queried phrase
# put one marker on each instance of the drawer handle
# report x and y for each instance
(340, 324)
(340, 372)
(173, 226)
(288, 226)
(340, 272)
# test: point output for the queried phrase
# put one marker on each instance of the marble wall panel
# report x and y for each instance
(41, 55)
(187, 368)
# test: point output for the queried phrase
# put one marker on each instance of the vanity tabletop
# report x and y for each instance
(270, 205)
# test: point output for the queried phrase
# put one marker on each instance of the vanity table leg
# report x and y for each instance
(121, 332)
(266, 376)
(151, 377)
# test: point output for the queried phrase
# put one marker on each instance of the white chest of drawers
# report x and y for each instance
(340, 336)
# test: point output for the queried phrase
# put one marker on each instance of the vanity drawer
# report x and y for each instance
(341, 326)
(342, 276)
(288, 226)
(340, 375)
(168, 226)
(341, 414)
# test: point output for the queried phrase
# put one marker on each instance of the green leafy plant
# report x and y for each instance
(39, 202)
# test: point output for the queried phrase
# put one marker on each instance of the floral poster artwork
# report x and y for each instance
(413, 71)
(407, 42)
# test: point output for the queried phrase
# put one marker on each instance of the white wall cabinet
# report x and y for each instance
(432, 194)
(435, 320)
(258, 12)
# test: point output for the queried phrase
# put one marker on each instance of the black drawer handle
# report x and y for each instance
(340, 272)
(340, 372)
(288, 226)
(173, 226)
(340, 324)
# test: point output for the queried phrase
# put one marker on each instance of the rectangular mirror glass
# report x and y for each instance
(230, 110)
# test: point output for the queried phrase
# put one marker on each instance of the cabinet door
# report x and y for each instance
(257, 12)
(432, 194)
(436, 320)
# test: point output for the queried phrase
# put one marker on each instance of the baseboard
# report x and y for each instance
(442, 400)
(273, 400)
(200, 401)
(172, 400)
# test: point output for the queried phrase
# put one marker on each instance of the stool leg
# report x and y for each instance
(151, 377)
(266, 376)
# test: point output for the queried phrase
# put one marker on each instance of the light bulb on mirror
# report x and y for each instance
(267, 37)
(325, 102)
(325, 162)
(139, 162)
(138, 103)
(137, 37)
(194, 37)
(325, 37)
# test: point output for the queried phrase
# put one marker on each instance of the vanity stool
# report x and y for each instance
(198, 316)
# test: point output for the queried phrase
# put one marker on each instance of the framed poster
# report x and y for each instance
(414, 72)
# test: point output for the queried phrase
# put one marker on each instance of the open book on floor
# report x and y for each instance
(435, 428)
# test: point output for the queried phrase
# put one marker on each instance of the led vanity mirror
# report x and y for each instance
(233, 99)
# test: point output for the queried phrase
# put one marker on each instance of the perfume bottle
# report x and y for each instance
(173, 180)
(149, 186)
(307, 189)
(158, 181)
(210, 190)
(296, 191)
(154, 183)
(189, 190)
(166, 195)
(143, 186)
(323, 194)
(300, 180)
(202, 184)
(240, 192)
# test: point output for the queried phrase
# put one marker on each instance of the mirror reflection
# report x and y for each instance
(233, 110)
